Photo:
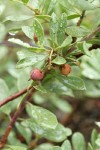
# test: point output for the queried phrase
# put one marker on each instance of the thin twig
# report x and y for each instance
(81, 19)
(11, 98)
(50, 57)
(15, 116)
(88, 37)
(79, 23)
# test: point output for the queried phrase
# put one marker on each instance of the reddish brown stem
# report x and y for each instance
(86, 38)
(11, 98)
(15, 116)
(79, 23)
(81, 18)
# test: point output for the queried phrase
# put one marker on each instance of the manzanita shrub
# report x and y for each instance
(59, 56)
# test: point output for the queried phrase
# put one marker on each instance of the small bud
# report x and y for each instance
(35, 38)
(65, 69)
(36, 74)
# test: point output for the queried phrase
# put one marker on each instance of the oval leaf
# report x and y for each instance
(42, 116)
(53, 27)
(78, 141)
(29, 31)
(66, 42)
(4, 92)
(72, 82)
(18, 18)
(83, 4)
(16, 148)
(38, 29)
(56, 148)
(75, 31)
(84, 48)
(44, 146)
(62, 23)
(91, 65)
(24, 131)
(26, 45)
(59, 60)
(90, 146)
(66, 145)
(29, 61)
(25, 1)
(58, 134)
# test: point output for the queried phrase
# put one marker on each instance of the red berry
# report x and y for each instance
(36, 74)
(66, 69)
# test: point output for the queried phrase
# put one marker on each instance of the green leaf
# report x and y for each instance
(78, 141)
(65, 43)
(60, 103)
(51, 6)
(51, 84)
(2, 8)
(18, 18)
(56, 148)
(66, 6)
(84, 48)
(62, 23)
(26, 45)
(25, 53)
(73, 16)
(4, 92)
(29, 61)
(29, 31)
(66, 145)
(2, 32)
(24, 131)
(90, 66)
(42, 116)
(16, 148)
(98, 142)
(19, 42)
(12, 140)
(22, 80)
(48, 6)
(38, 29)
(75, 31)
(53, 27)
(90, 146)
(39, 98)
(83, 4)
(34, 4)
(92, 88)
(40, 88)
(72, 82)
(25, 1)
(43, 17)
(58, 134)
(59, 60)
(3, 52)
(94, 136)
(44, 146)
